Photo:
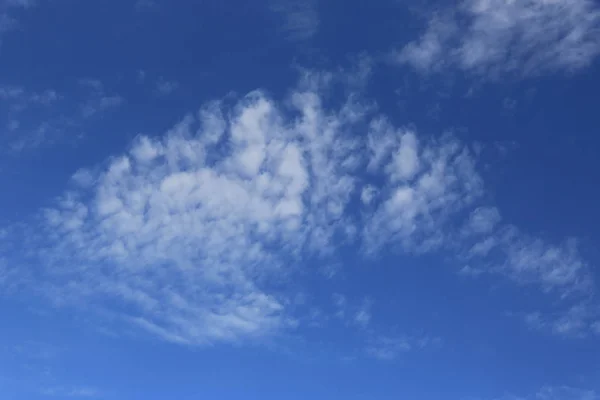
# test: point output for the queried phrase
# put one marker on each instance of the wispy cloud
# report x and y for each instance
(97, 99)
(7, 21)
(580, 320)
(165, 87)
(299, 19)
(146, 5)
(497, 37)
(557, 393)
(71, 392)
(19, 98)
(391, 347)
(43, 117)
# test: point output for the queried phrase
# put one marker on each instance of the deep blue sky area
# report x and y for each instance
(292, 199)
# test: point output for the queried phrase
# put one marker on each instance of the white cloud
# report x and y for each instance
(339, 301)
(362, 317)
(483, 220)
(427, 187)
(187, 236)
(578, 321)
(495, 37)
(189, 241)
(501, 248)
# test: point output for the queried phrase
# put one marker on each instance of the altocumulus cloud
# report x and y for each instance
(491, 38)
(193, 235)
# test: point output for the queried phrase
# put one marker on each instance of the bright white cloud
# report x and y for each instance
(427, 187)
(187, 236)
(186, 231)
(494, 37)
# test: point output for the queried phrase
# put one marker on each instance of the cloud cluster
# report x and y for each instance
(192, 235)
(505, 249)
(495, 37)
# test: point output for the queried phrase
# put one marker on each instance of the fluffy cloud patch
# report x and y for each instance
(187, 230)
(495, 37)
(191, 236)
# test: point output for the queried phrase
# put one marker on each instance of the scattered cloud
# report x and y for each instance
(578, 321)
(386, 348)
(529, 260)
(566, 393)
(391, 347)
(7, 20)
(299, 18)
(193, 233)
(429, 183)
(41, 118)
(19, 98)
(71, 392)
(339, 302)
(557, 393)
(164, 87)
(98, 100)
(362, 317)
(491, 38)
(21, 105)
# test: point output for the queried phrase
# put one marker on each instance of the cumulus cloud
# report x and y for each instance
(191, 236)
(496, 37)
(429, 184)
(188, 229)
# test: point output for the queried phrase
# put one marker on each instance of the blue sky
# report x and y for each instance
(299, 199)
